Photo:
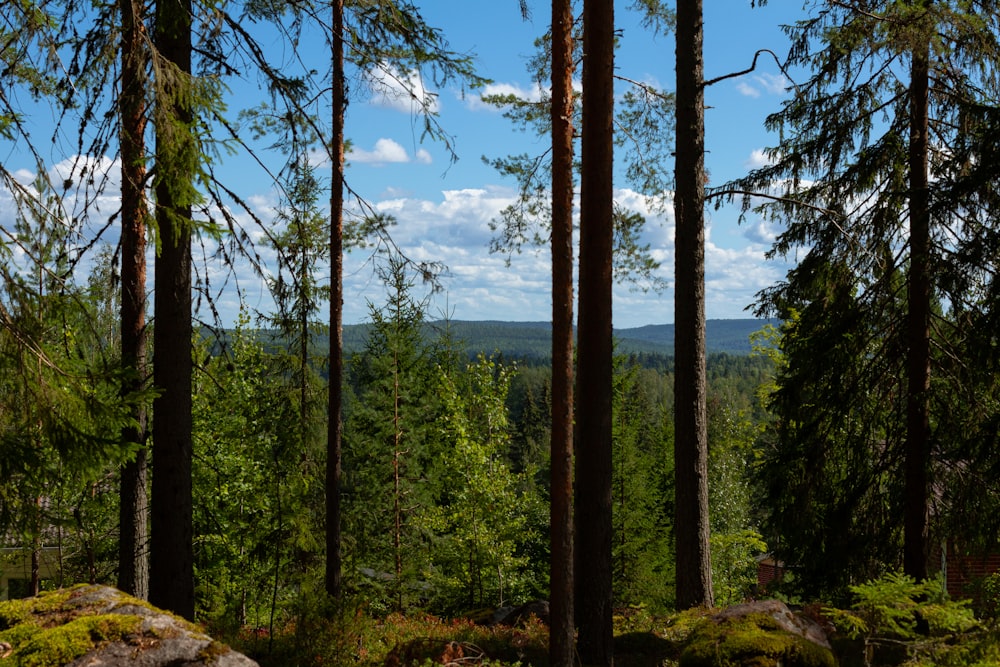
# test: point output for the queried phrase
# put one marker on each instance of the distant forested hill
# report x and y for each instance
(531, 340)
(729, 336)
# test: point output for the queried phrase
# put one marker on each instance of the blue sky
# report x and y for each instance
(444, 210)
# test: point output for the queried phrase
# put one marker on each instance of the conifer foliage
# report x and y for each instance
(876, 144)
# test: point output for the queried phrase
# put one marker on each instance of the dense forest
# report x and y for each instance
(451, 489)
(281, 468)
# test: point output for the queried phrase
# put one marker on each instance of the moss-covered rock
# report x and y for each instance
(98, 625)
(62, 644)
(761, 636)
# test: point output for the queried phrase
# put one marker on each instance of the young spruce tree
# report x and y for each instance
(388, 446)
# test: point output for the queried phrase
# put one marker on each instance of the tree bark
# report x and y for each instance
(915, 526)
(594, 376)
(171, 547)
(694, 567)
(561, 629)
(334, 421)
(133, 557)
(397, 491)
(35, 583)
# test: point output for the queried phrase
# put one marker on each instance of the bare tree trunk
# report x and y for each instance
(915, 533)
(694, 566)
(133, 561)
(335, 425)
(397, 508)
(592, 549)
(171, 548)
(133, 520)
(304, 340)
(561, 629)
(35, 585)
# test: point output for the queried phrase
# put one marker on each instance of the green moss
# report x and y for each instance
(62, 644)
(683, 624)
(212, 651)
(14, 612)
(762, 622)
(58, 627)
(17, 612)
(20, 634)
(753, 641)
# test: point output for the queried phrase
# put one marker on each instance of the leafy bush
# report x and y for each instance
(902, 621)
(734, 566)
(989, 598)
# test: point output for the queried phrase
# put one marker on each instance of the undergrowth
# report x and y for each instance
(398, 640)
(893, 621)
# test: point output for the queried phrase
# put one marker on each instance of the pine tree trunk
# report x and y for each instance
(133, 518)
(171, 548)
(561, 629)
(397, 508)
(694, 567)
(915, 533)
(304, 361)
(592, 548)
(35, 583)
(334, 421)
(133, 561)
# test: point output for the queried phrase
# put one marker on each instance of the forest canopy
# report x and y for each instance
(238, 455)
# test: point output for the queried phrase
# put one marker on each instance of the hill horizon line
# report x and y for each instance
(533, 338)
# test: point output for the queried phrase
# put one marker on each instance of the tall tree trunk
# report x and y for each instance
(594, 376)
(304, 340)
(35, 583)
(694, 567)
(133, 561)
(561, 630)
(915, 533)
(397, 491)
(171, 547)
(335, 425)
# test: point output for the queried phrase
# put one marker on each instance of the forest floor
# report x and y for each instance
(402, 640)
(641, 640)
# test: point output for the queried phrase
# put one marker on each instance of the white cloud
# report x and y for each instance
(319, 158)
(453, 228)
(23, 176)
(734, 275)
(85, 171)
(423, 156)
(763, 83)
(761, 231)
(758, 158)
(534, 93)
(774, 84)
(386, 151)
(81, 195)
(402, 91)
(746, 89)
(263, 204)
